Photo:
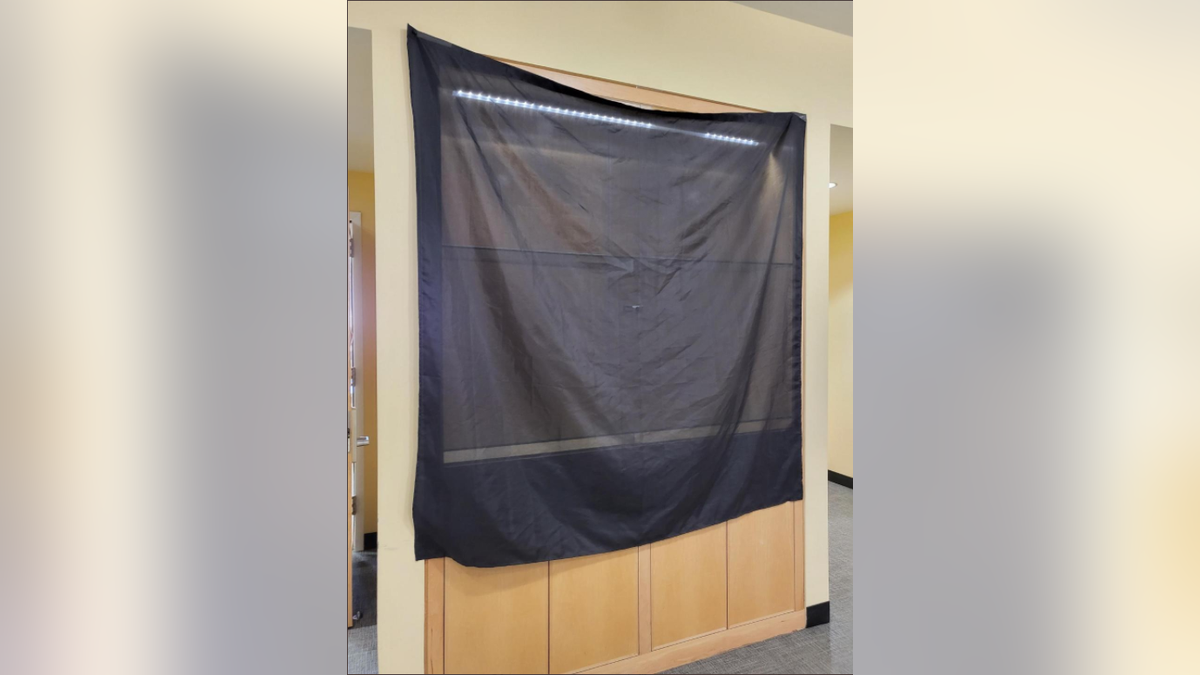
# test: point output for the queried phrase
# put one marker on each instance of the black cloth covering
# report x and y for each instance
(609, 314)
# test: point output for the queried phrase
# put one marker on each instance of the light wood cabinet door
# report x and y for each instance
(593, 610)
(496, 619)
(762, 569)
(687, 586)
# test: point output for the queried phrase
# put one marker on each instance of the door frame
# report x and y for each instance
(359, 448)
(351, 426)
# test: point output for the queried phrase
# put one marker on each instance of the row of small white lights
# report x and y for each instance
(554, 110)
(731, 139)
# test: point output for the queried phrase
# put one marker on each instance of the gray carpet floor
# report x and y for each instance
(824, 649)
(361, 654)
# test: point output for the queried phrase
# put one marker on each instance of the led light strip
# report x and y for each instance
(554, 110)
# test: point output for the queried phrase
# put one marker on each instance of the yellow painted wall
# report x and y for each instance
(841, 343)
(361, 197)
(721, 51)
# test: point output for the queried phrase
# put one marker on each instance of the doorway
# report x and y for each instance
(361, 479)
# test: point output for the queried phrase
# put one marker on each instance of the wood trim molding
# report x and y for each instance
(698, 648)
(645, 645)
(435, 615)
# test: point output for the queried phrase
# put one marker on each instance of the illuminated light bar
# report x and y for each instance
(554, 110)
(731, 139)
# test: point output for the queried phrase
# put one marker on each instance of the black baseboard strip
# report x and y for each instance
(370, 541)
(840, 479)
(818, 615)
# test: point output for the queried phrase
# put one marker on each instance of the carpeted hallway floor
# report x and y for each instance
(361, 655)
(824, 649)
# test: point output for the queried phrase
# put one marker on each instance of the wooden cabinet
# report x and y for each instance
(496, 619)
(688, 584)
(762, 573)
(639, 610)
(593, 610)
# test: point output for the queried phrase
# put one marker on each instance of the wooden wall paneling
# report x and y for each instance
(688, 586)
(435, 615)
(761, 564)
(496, 619)
(694, 650)
(644, 641)
(593, 610)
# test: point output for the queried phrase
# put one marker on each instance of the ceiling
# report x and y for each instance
(841, 169)
(360, 136)
(835, 16)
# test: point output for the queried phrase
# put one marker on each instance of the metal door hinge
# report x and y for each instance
(351, 247)
(354, 506)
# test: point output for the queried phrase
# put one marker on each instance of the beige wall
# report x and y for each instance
(361, 197)
(715, 50)
(841, 343)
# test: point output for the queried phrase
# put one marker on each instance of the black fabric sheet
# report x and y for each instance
(609, 314)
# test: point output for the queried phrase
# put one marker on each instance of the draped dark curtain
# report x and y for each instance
(609, 314)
